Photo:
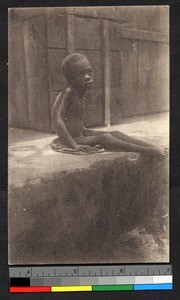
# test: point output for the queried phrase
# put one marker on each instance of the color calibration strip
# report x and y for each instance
(95, 288)
(18, 285)
(90, 278)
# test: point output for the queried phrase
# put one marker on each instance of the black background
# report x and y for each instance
(174, 151)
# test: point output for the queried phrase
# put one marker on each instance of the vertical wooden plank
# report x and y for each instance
(116, 105)
(88, 33)
(34, 35)
(115, 68)
(56, 31)
(116, 87)
(70, 33)
(57, 80)
(18, 113)
(129, 80)
(164, 19)
(106, 59)
(153, 78)
(159, 91)
(165, 88)
(144, 103)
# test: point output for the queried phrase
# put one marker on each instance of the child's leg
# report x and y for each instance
(107, 140)
(129, 139)
(121, 136)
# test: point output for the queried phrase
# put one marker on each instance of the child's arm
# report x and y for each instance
(91, 132)
(61, 127)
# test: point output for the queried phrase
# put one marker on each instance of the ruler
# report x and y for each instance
(90, 278)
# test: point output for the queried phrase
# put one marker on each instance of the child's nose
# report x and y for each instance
(87, 77)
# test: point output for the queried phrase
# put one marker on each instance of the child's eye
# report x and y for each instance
(80, 75)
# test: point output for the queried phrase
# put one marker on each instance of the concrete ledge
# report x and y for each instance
(77, 209)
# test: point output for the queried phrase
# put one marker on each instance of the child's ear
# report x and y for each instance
(85, 99)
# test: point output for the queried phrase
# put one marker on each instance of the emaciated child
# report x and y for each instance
(68, 115)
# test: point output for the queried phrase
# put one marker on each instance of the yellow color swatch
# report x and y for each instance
(73, 288)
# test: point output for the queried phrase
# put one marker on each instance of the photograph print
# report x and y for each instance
(88, 142)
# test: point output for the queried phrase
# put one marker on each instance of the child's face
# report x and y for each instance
(82, 75)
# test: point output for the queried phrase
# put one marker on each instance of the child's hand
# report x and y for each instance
(84, 148)
(97, 147)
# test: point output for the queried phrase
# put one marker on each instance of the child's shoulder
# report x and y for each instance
(62, 98)
(65, 92)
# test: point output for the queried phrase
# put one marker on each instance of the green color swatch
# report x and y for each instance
(124, 287)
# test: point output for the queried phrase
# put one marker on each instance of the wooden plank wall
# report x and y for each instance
(17, 108)
(91, 45)
(143, 61)
(28, 80)
(131, 69)
(36, 69)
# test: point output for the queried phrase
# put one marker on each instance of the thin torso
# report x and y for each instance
(74, 115)
(68, 117)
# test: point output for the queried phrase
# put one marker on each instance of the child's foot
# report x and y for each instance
(159, 153)
(97, 147)
(131, 156)
(163, 151)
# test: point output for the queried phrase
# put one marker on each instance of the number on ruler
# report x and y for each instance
(168, 269)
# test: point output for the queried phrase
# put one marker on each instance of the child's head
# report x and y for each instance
(78, 71)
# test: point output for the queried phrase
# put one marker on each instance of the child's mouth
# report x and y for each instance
(89, 85)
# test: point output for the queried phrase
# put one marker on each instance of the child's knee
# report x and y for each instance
(118, 134)
(115, 132)
(106, 136)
